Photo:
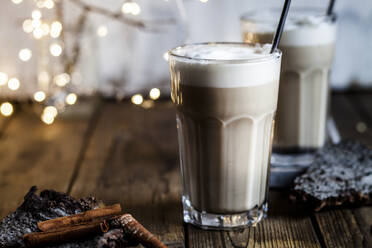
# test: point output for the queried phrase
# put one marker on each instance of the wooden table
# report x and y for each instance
(123, 153)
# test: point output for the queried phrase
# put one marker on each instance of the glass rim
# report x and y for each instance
(270, 56)
(248, 16)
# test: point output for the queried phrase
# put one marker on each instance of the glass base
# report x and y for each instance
(210, 221)
(297, 159)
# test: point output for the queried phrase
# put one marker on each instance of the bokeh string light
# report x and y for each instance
(137, 99)
(36, 14)
(55, 49)
(36, 23)
(53, 85)
(71, 99)
(27, 26)
(13, 84)
(25, 54)
(62, 79)
(6, 109)
(154, 93)
(131, 8)
(49, 114)
(37, 33)
(55, 29)
(102, 31)
(17, 1)
(39, 96)
(49, 4)
(51, 110)
(47, 117)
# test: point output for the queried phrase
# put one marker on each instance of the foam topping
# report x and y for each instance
(224, 65)
(223, 51)
(301, 28)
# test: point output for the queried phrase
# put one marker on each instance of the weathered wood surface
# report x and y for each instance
(133, 159)
(287, 226)
(363, 105)
(124, 153)
(33, 153)
(345, 227)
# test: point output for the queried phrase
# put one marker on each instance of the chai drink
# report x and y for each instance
(308, 46)
(226, 97)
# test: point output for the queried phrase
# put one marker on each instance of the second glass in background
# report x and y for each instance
(308, 48)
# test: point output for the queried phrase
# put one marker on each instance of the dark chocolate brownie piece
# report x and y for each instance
(340, 174)
(49, 205)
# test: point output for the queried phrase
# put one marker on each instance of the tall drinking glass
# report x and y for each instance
(226, 97)
(308, 46)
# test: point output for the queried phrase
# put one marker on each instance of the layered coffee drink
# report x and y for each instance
(308, 46)
(226, 97)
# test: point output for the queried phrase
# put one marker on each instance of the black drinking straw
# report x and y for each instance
(279, 30)
(330, 7)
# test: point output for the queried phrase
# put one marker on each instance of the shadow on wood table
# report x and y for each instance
(124, 153)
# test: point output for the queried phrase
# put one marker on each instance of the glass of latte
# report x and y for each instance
(308, 46)
(226, 98)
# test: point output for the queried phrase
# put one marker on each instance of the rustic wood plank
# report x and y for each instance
(33, 153)
(339, 227)
(203, 239)
(288, 225)
(133, 159)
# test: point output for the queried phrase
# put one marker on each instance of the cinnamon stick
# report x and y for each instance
(64, 235)
(77, 219)
(89, 225)
(132, 227)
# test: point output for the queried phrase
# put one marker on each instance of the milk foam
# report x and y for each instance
(300, 29)
(225, 65)
(223, 51)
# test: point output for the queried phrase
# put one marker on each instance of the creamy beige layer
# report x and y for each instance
(303, 97)
(225, 140)
(303, 94)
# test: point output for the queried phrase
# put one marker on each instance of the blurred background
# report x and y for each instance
(53, 51)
